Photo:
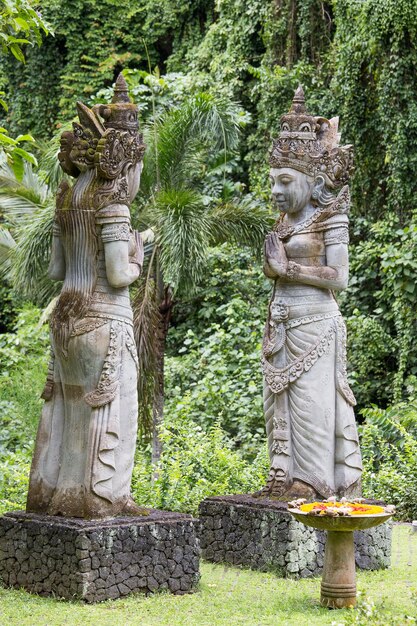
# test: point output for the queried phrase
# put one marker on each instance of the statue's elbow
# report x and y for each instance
(341, 283)
(117, 280)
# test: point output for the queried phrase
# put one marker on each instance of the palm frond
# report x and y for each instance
(6, 240)
(20, 199)
(15, 207)
(31, 257)
(245, 221)
(182, 235)
(7, 245)
(146, 320)
(184, 137)
(31, 187)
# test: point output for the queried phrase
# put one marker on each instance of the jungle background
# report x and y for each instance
(356, 59)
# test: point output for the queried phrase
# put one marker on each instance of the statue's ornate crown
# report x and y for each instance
(311, 145)
(110, 144)
(121, 113)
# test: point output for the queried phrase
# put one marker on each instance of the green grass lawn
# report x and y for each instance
(232, 596)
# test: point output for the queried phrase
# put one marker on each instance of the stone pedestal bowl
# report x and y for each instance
(338, 584)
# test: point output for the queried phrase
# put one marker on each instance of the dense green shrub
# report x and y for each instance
(215, 350)
(8, 311)
(389, 449)
(23, 363)
(28, 343)
(14, 480)
(371, 359)
(381, 299)
(196, 463)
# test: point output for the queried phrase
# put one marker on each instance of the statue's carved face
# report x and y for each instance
(83, 148)
(291, 189)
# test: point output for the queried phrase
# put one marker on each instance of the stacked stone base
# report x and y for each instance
(261, 534)
(99, 560)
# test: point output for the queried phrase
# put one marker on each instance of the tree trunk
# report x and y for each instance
(165, 309)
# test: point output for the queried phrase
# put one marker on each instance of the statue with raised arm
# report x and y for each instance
(312, 437)
(85, 446)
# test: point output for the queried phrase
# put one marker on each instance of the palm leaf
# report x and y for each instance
(20, 198)
(181, 140)
(245, 221)
(182, 235)
(7, 244)
(146, 320)
(31, 257)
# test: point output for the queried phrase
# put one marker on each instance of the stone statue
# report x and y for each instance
(312, 438)
(85, 446)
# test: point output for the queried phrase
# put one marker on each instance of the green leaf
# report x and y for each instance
(18, 40)
(22, 23)
(17, 166)
(16, 51)
(4, 104)
(7, 140)
(26, 137)
(25, 155)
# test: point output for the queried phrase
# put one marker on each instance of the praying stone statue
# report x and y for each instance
(85, 446)
(312, 437)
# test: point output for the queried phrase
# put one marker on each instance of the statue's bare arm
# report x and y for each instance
(123, 260)
(333, 275)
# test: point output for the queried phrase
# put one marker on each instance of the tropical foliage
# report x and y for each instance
(213, 427)
(256, 52)
(20, 24)
(205, 183)
(189, 207)
(389, 447)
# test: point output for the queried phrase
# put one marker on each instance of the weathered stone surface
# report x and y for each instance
(262, 535)
(124, 565)
(93, 365)
(308, 404)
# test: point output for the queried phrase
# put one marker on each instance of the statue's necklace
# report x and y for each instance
(340, 205)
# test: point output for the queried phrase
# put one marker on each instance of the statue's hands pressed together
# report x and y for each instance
(276, 261)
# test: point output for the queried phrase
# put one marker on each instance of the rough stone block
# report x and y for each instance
(261, 534)
(96, 560)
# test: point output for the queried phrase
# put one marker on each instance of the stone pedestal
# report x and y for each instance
(338, 584)
(100, 559)
(261, 534)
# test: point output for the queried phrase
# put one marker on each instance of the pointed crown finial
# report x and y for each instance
(121, 91)
(298, 102)
(121, 113)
